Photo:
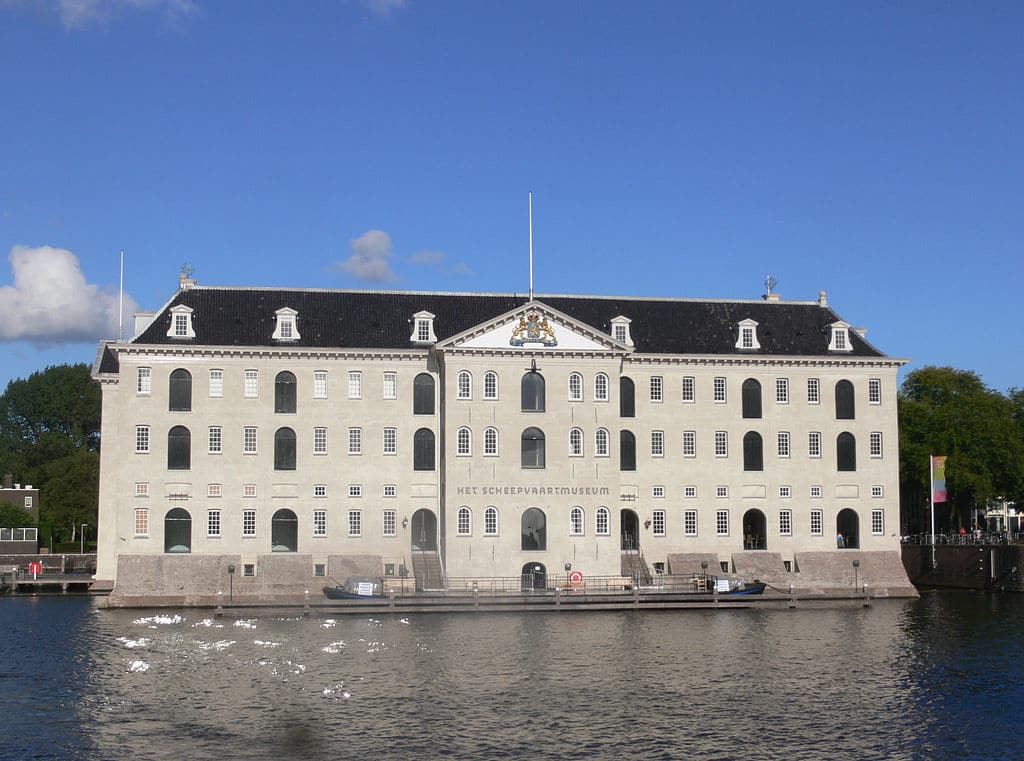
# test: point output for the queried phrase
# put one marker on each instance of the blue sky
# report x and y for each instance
(682, 149)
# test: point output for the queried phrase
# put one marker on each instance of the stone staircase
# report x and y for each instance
(634, 566)
(426, 568)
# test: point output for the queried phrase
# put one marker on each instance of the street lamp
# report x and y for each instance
(856, 570)
(82, 537)
(231, 583)
(704, 574)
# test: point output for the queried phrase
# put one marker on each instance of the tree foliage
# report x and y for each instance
(14, 516)
(945, 411)
(49, 437)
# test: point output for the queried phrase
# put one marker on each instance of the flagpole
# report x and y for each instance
(931, 500)
(120, 302)
(531, 245)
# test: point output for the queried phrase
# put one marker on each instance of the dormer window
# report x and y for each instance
(747, 336)
(840, 337)
(620, 330)
(286, 328)
(423, 328)
(181, 322)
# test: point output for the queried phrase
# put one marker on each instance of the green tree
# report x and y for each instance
(945, 411)
(71, 489)
(13, 516)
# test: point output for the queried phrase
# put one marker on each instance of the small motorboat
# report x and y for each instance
(357, 588)
(755, 588)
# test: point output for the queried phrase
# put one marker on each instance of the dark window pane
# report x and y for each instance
(753, 451)
(846, 452)
(423, 395)
(533, 392)
(533, 448)
(177, 531)
(627, 450)
(751, 398)
(423, 449)
(284, 392)
(180, 391)
(627, 398)
(284, 532)
(284, 449)
(535, 530)
(844, 400)
(179, 448)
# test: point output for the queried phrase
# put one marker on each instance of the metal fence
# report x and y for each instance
(974, 537)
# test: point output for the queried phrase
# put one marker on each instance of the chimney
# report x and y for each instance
(9, 481)
(142, 321)
(862, 332)
(822, 299)
(772, 296)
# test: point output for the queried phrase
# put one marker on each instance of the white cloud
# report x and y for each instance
(370, 257)
(438, 261)
(83, 14)
(51, 303)
(383, 8)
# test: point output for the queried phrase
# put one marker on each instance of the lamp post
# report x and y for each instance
(856, 570)
(704, 574)
(82, 538)
(231, 583)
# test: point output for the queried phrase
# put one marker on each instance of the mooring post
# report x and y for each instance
(219, 612)
(792, 597)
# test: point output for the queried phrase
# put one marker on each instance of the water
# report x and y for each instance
(935, 678)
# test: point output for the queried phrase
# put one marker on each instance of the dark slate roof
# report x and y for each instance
(382, 319)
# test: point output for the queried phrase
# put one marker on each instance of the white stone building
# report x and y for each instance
(301, 435)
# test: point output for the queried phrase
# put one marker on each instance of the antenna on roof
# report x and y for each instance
(531, 245)
(770, 283)
(120, 302)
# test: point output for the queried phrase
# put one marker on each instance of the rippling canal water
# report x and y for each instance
(940, 677)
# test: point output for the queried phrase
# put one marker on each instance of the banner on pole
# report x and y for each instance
(938, 478)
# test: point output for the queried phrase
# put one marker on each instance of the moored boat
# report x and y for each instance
(357, 588)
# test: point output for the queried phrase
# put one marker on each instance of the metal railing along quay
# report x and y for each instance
(971, 538)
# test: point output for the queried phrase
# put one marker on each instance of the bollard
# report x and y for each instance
(558, 597)
(792, 597)
(219, 612)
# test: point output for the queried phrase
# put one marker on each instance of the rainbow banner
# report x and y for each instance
(938, 478)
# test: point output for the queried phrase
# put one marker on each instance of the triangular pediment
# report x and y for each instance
(534, 326)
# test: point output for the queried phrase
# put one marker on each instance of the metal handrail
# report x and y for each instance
(975, 538)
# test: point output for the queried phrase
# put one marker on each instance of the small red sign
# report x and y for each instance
(576, 577)
(35, 568)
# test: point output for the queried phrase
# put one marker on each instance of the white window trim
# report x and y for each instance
(286, 316)
(148, 374)
(181, 309)
(417, 320)
(840, 328)
(750, 325)
(621, 320)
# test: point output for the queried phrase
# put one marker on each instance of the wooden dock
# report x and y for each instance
(46, 583)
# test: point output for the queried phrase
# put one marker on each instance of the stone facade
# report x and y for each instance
(487, 435)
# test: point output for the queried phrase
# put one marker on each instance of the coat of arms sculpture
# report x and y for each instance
(533, 328)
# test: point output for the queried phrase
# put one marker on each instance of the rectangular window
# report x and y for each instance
(813, 391)
(874, 391)
(816, 522)
(214, 490)
(355, 440)
(786, 522)
(720, 390)
(814, 444)
(722, 492)
(142, 522)
(355, 384)
(319, 384)
(355, 490)
(721, 444)
(689, 443)
(464, 386)
(782, 390)
(785, 492)
(249, 439)
(249, 490)
(319, 490)
(620, 333)
(216, 440)
(877, 491)
(390, 441)
(181, 325)
(251, 388)
(319, 569)
(144, 381)
(463, 526)
(658, 523)
(423, 330)
(689, 395)
(816, 492)
(390, 490)
(390, 385)
(490, 522)
(877, 522)
(213, 523)
(657, 388)
(722, 523)
(142, 439)
(248, 523)
(141, 489)
(319, 440)
(216, 383)
(690, 492)
(248, 570)
(390, 522)
(690, 523)
(875, 443)
(783, 441)
(490, 385)
(355, 523)
(658, 492)
(657, 443)
(319, 523)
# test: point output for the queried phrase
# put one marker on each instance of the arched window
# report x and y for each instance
(533, 392)
(423, 394)
(177, 531)
(846, 451)
(601, 521)
(284, 531)
(490, 385)
(179, 448)
(284, 392)
(575, 387)
(627, 450)
(490, 442)
(284, 449)
(627, 397)
(600, 387)
(423, 449)
(465, 521)
(179, 391)
(575, 442)
(464, 442)
(753, 451)
(844, 400)
(601, 443)
(491, 521)
(534, 530)
(751, 398)
(533, 448)
(576, 519)
(465, 385)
